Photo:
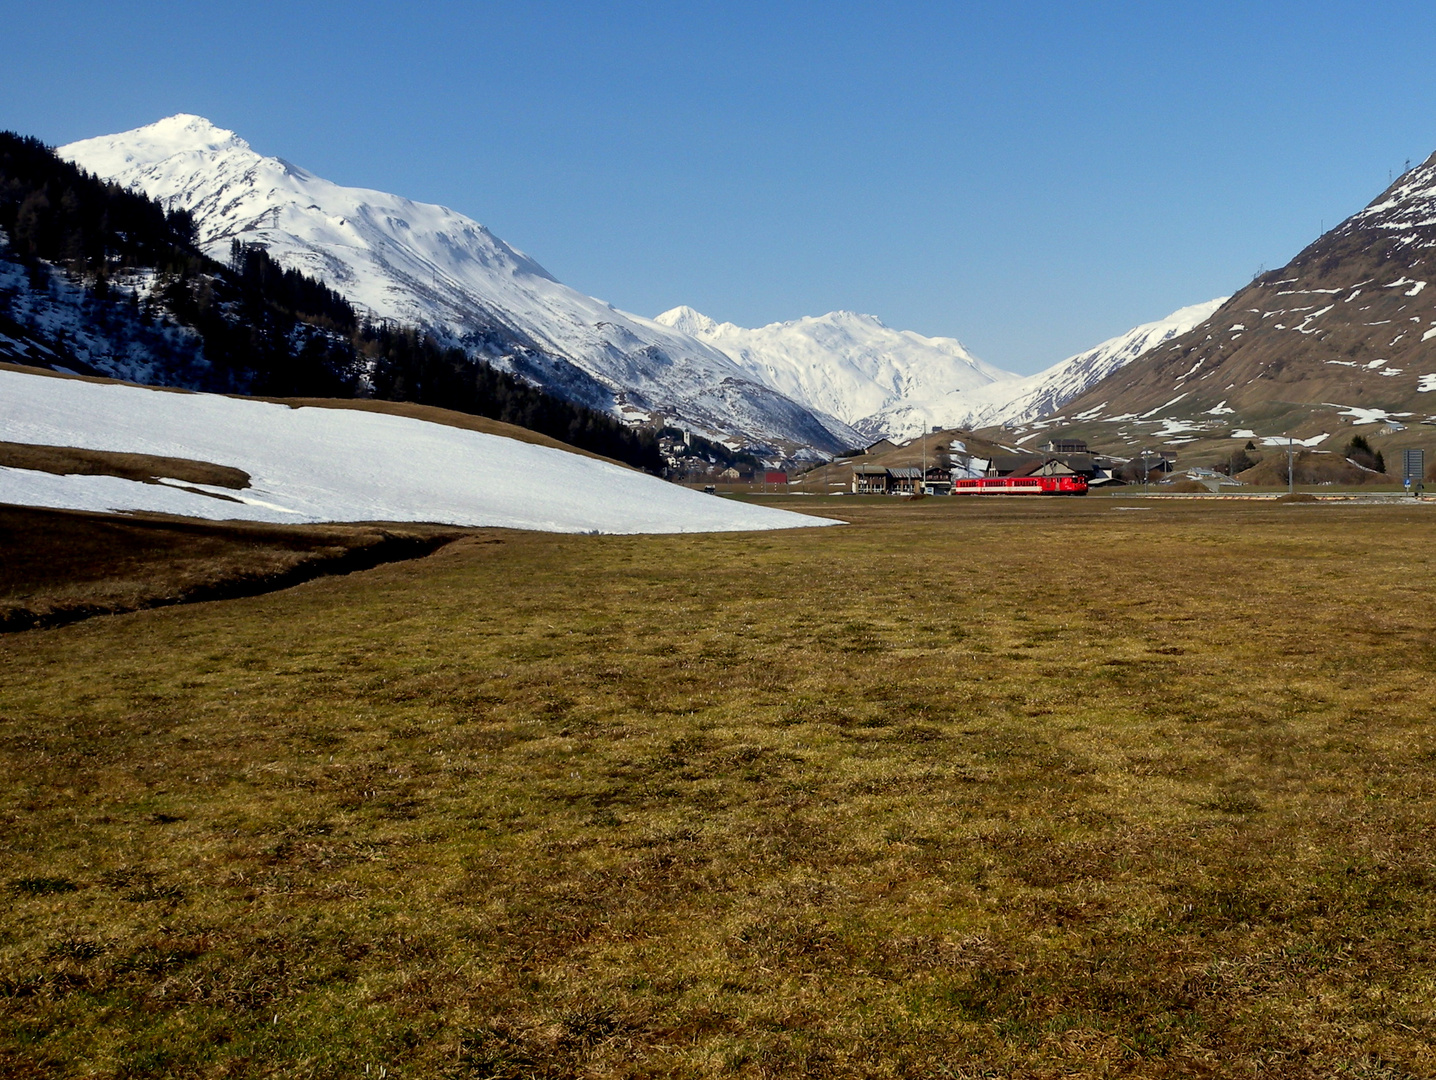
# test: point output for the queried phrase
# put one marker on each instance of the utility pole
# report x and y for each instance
(1290, 474)
(922, 483)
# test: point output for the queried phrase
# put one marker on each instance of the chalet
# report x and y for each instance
(1013, 464)
(894, 480)
(1158, 464)
(1052, 467)
(1070, 464)
(904, 480)
(870, 480)
(879, 447)
(1064, 446)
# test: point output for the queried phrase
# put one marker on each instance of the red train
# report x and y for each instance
(1021, 485)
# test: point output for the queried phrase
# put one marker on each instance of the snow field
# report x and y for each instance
(320, 464)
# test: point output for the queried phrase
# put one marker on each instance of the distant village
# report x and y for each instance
(953, 462)
(930, 466)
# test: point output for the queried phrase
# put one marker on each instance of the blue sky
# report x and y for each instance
(1028, 177)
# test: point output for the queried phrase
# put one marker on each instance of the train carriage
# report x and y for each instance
(1021, 485)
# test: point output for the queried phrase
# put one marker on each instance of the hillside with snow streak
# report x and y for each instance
(1344, 333)
(313, 464)
(427, 265)
(1024, 400)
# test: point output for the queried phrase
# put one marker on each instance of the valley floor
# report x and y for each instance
(963, 789)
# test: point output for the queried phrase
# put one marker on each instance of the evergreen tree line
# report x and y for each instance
(264, 328)
(409, 365)
(1359, 451)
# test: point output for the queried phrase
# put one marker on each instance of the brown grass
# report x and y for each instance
(434, 415)
(1312, 468)
(146, 468)
(1183, 487)
(968, 788)
(58, 566)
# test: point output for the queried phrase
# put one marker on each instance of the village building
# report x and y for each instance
(870, 480)
(939, 478)
(904, 480)
(1067, 464)
(1064, 446)
(896, 479)
(1145, 466)
(1013, 464)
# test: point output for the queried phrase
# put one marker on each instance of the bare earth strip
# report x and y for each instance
(967, 789)
(60, 566)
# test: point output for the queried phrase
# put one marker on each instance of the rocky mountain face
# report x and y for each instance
(426, 265)
(1343, 336)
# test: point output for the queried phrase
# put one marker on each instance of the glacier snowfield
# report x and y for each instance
(313, 464)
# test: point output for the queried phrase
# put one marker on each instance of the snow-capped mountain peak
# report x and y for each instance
(189, 163)
(685, 319)
(427, 265)
(897, 383)
(844, 363)
(825, 381)
(178, 134)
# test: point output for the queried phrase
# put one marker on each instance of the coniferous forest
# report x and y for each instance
(264, 329)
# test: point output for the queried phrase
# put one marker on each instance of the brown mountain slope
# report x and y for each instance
(1342, 336)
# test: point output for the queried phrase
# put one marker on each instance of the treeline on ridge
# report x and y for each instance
(265, 329)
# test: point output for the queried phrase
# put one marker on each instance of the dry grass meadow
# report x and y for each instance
(964, 789)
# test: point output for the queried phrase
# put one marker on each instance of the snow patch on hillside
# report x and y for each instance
(322, 464)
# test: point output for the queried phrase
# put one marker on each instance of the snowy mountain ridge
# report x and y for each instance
(845, 364)
(897, 384)
(427, 265)
(1343, 335)
(826, 382)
